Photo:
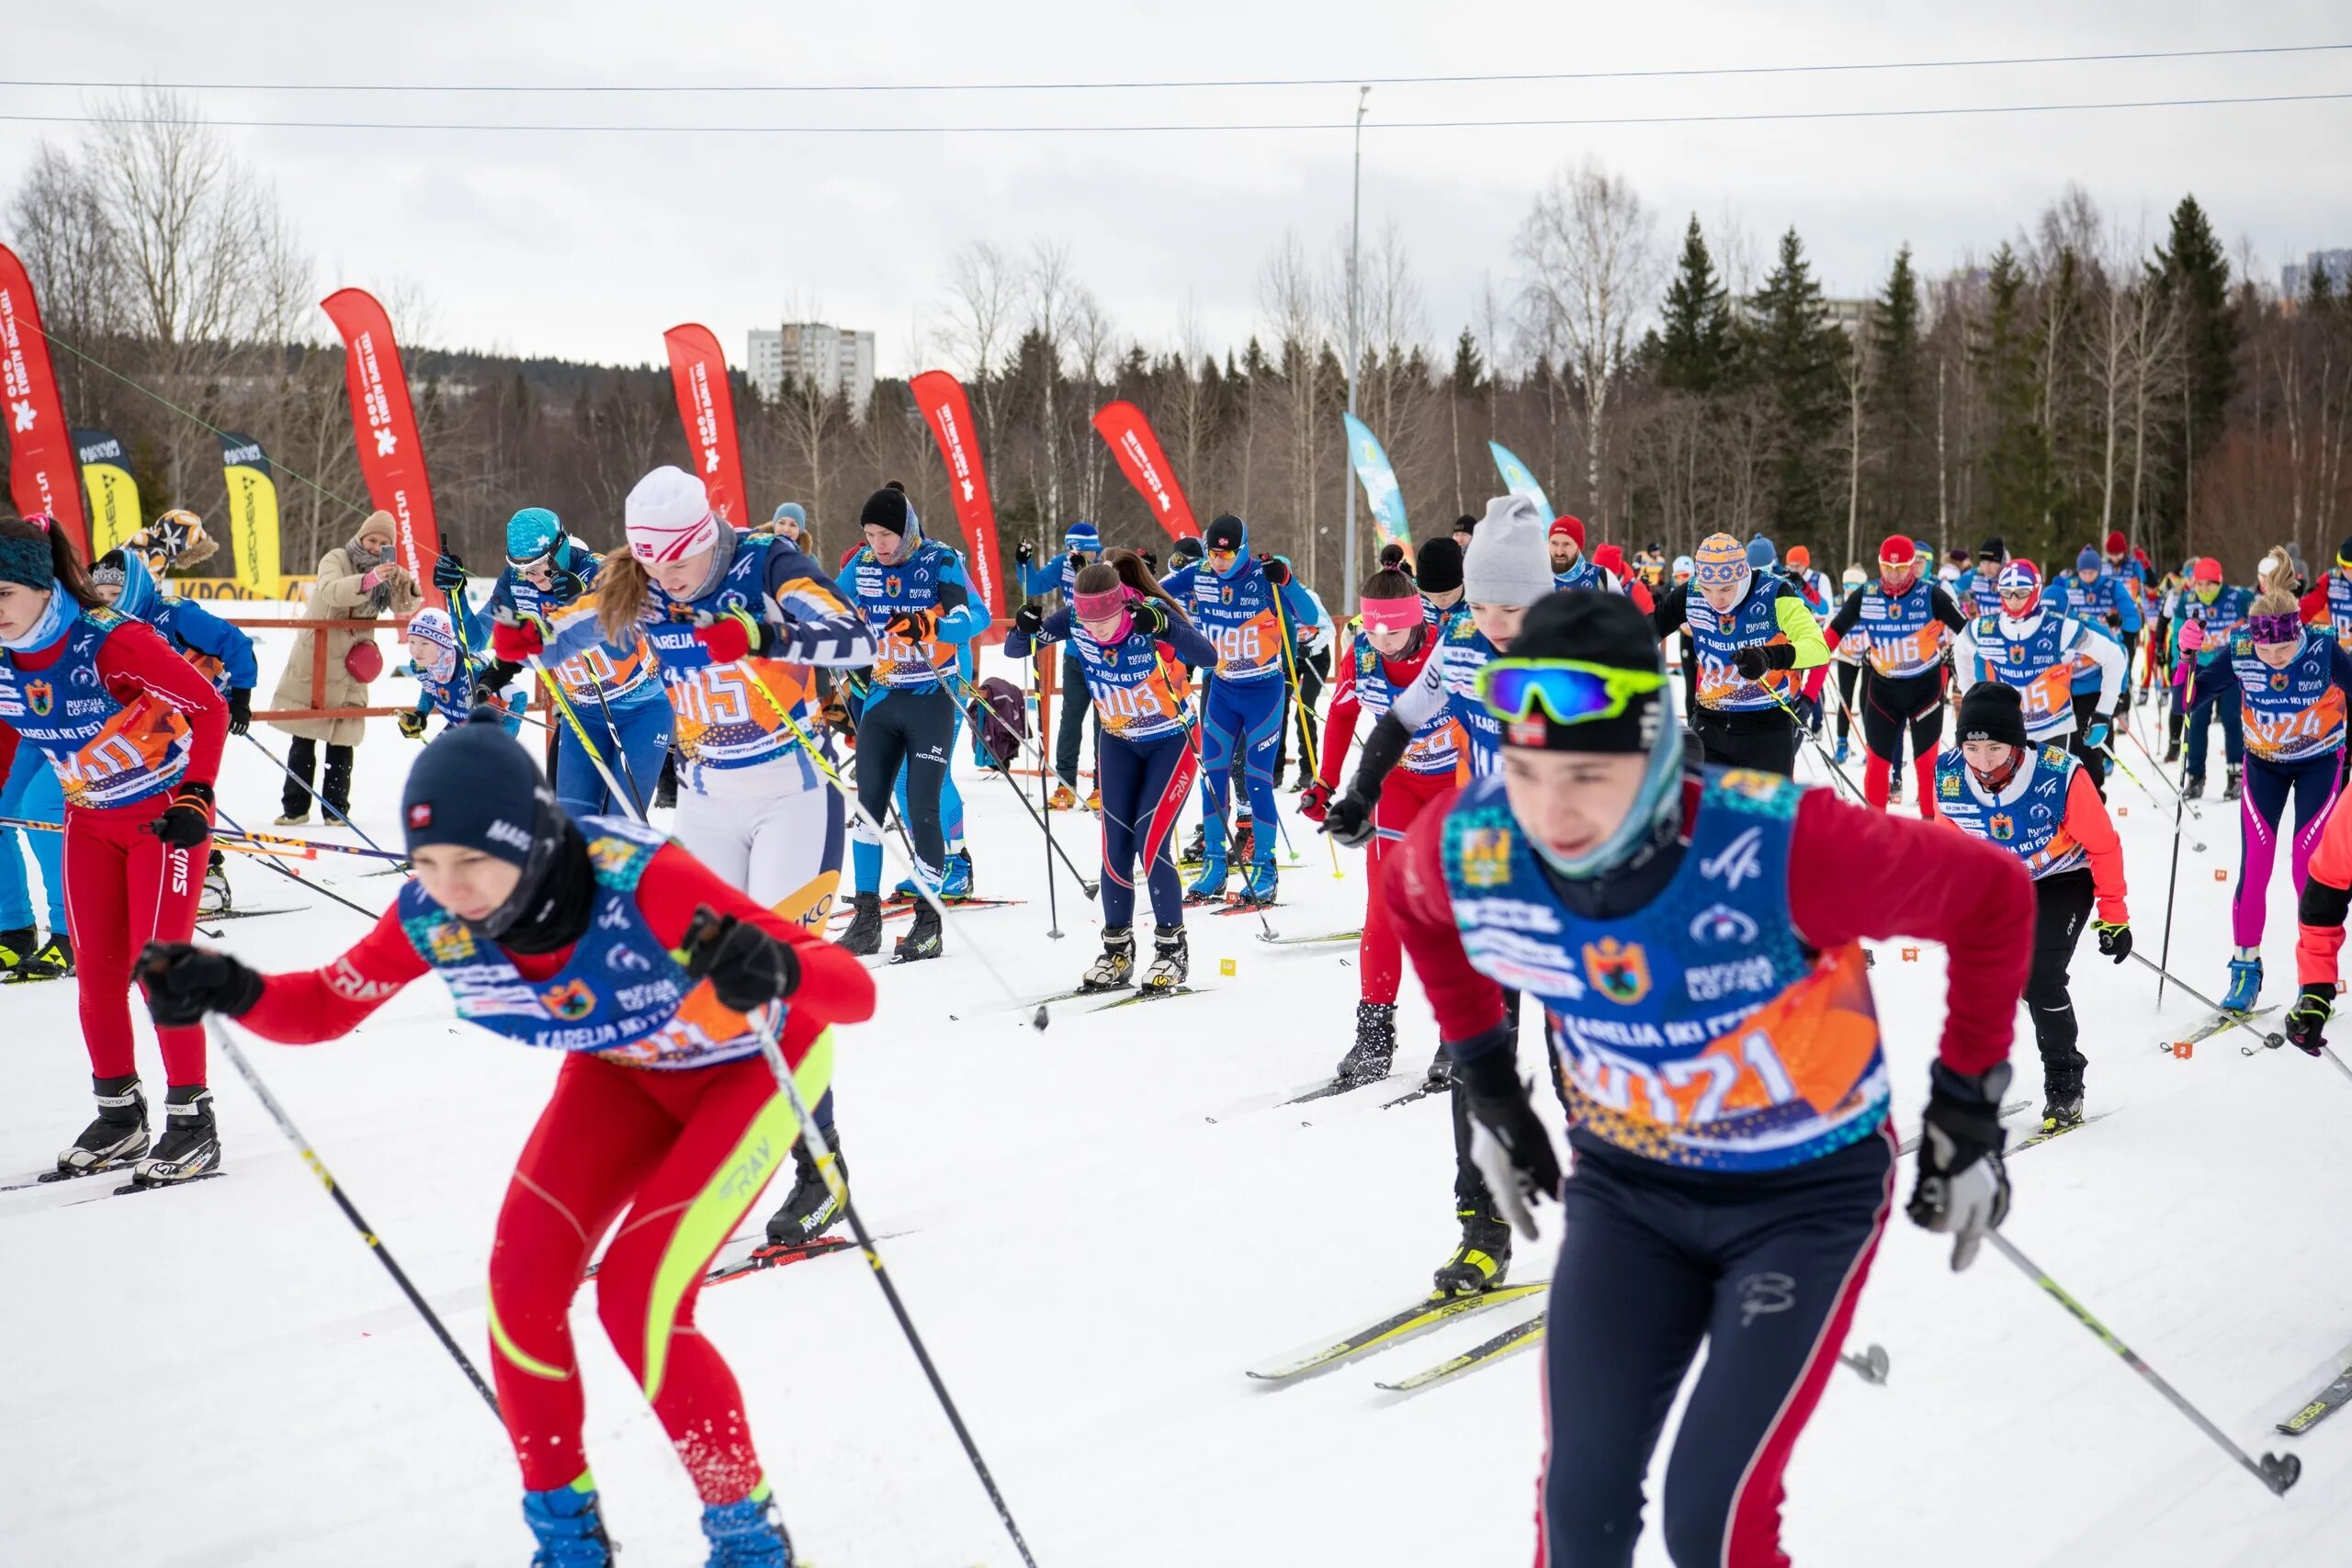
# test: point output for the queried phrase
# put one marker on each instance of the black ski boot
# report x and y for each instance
(2192, 786)
(1115, 970)
(190, 1144)
(1484, 1256)
(1244, 847)
(864, 934)
(1439, 1077)
(2233, 779)
(809, 1209)
(1197, 851)
(16, 945)
(52, 960)
(1171, 959)
(920, 943)
(119, 1135)
(2062, 1098)
(1367, 1060)
(665, 792)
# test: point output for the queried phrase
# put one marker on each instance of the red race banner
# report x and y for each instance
(1146, 466)
(43, 475)
(391, 457)
(706, 407)
(941, 397)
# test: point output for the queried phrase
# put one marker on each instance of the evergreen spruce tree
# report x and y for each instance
(1693, 343)
(1794, 361)
(1899, 496)
(1469, 366)
(2195, 275)
(2017, 456)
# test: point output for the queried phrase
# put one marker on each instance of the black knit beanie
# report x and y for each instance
(886, 508)
(1991, 711)
(1438, 567)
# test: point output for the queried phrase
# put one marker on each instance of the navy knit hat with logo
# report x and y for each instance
(475, 787)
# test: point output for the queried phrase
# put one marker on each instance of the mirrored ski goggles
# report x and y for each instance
(1569, 690)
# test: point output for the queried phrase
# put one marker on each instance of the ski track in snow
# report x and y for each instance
(227, 1374)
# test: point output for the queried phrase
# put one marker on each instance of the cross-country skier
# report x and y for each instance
(1906, 621)
(1751, 634)
(1082, 543)
(2037, 802)
(1977, 591)
(613, 685)
(1250, 610)
(664, 1124)
(133, 733)
(2294, 686)
(1399, 638)
(2206, 613)
(1132, 641)
(2035, 647)
(1847, 660)
(1694, 935)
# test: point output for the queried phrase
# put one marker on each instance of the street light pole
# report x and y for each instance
(1355, 248)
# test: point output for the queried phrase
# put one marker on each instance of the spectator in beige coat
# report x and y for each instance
(358, 581)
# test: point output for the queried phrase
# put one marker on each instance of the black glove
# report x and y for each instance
(746, 967)
(184, 983)
(1029, 620)
(1962, 1188)
(913, 625)
(563, 587)
(1022, 554)
(241, 709)
(1751, 662)
(2308, 1017)
(1509, 1146)
(410, 725)
(1151, 617)
(2114, 938)
(448, 572)
(1277, 569)
(187, 821)
(1349, 820)
(491, 680)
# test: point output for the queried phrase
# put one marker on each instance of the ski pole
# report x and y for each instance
(226, 1043)
(705, 923)
(339, 815)
(2234, 1021)
(2178, 794)
(2172, 890)
(1859, 797)
(579, 733)
(2112, 755)
(1045, 801)
(267, 845)
(1307, 740)
(2276, 1472)
(273, 862)
(973, 694)
(620, 754)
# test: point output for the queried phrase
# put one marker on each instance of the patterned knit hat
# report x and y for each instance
(2020, 577)
(1722, 562)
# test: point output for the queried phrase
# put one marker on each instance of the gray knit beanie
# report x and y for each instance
(1508, 563)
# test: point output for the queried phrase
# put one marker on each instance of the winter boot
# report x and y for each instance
(1367, 1060)
(190, 1144)
(1258, 881)
(955, 878)
(749, 1534)
(865, 933)
(920, 943)
(1484, 1256)
(2192, 786)
(808, 1210)
(1115, 970)
(1194, 852)
(570, 1529)
(1171, 959)
(2246, 981)
(1065, 798)
(2233, 779)
(2062, 1098)
(120, 1133)
(293, 819)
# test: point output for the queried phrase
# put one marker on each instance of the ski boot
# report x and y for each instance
(118, 1135)
(1094, 800)
(1840, 753)
(1245, 840)
(808, 1210)
(1439, 1076)
(864, 934)
(1195, 853)
(904, 893)
(1258, 881)
(2245, 982)
(2172, 751)
(1209, 886)
(215, 899)
(665, 792)
(1484, 1256)
(190, 1144)
(1894, 787)
(570, 1529)
(54, 962)
(2232, 780)
(1367, 1060)
(16, 945)
(1115, 970)
(1171, 959)
(2062, 1098)
(920, 943)
(956, 877)
(2192, 786)
(749, 1534)
(1065, 799)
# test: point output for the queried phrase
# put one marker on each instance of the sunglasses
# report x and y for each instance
(1570, 690)
(1214, 552)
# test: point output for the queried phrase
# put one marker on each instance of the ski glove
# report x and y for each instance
(1509, 1145)
(1277, 569)
(1151, 617)
(746, 967)
(184, 983)
(2114, 938)
(448, 572)
(1029, 620)
(913, 625)
(410, 725)
(2308, 1017)
(240, 710)
(1314, 801)
(187, 821)
(1963, 1190)
(729, 637)
(2096, 736)
(1349, 820)
(2192, 635)
(518, 637)
(1022, 554)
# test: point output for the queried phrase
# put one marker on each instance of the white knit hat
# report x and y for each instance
(1508, 561)
(668, 516)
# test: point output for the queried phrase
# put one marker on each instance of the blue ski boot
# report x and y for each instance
(1841, 748)
(1258, 879)
(955, 881)
(569, 1530)
(1210, 884)
(2246, 981)
(749, 1534)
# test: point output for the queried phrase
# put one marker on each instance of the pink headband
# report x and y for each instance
(1392, 615)
(656, 543)
(1101, 606)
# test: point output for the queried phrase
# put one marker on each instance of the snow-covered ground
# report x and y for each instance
(1103, 1224)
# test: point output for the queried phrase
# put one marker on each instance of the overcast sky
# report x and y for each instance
(588, 245)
